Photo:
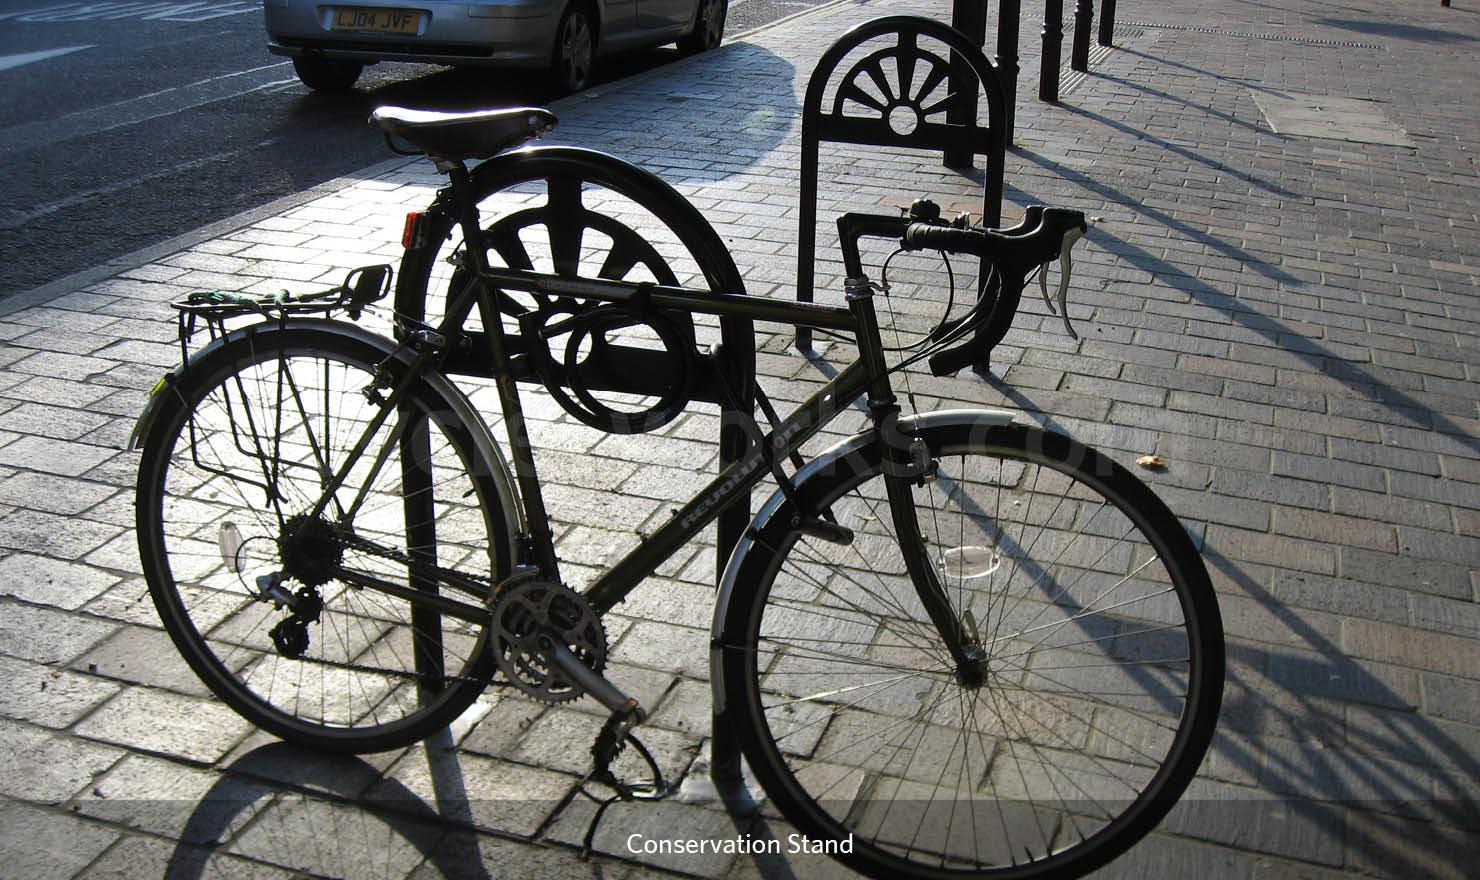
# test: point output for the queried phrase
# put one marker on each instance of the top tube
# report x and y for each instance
(705, 302)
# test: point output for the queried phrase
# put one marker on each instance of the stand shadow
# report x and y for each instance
(1360, 381)
(284, 808)
(1396, 30)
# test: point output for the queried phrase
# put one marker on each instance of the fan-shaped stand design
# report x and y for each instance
(918, 91)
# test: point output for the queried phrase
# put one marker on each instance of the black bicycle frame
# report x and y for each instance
(732, 484)
(868, 375)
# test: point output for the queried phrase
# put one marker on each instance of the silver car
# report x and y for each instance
(330, 41)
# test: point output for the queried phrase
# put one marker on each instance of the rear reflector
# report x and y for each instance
(408, 234)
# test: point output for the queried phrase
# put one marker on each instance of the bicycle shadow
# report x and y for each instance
(305, 812)
(1345, 770)
(1319, 756)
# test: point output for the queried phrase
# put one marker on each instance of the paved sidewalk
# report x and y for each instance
(1290, 320)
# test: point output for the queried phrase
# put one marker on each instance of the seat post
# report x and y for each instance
(466, 211)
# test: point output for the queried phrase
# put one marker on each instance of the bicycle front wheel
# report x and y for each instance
(1094, 685)
(350, 620)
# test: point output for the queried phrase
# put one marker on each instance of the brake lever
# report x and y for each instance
(1071, 236)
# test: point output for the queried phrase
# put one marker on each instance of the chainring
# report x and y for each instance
(529, 611)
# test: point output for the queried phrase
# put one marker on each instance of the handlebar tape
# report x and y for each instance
(1014, 251)
(1043, 236)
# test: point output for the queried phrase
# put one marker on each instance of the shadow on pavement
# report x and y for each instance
(1397, 31)
(1408, 410)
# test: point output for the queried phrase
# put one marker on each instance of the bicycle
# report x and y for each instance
(965, 646)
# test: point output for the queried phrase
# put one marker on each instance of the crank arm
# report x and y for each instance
(585, 678)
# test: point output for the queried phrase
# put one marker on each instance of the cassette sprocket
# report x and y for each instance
(531, 610)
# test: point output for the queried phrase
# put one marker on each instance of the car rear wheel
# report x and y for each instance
(575, 49)
(709, 28)
(326, 75)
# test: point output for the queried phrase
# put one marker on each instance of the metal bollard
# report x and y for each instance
(1053, 45)
(1084, 15)
(970, 18)
(1007, 58)
(1107, 23)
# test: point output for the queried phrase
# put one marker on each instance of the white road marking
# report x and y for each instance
(9, 61)
(142, 108)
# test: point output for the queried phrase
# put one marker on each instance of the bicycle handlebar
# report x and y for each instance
(1044, 235)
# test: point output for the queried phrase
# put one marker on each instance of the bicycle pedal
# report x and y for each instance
(609, 743)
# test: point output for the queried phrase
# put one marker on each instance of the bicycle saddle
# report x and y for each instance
(475, 134)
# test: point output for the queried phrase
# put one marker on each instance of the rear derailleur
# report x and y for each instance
(290, 635)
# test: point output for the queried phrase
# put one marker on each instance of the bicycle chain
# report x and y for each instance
(379, 670)
(397, 556)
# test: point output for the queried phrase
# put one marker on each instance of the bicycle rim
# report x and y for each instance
(228, 483)
(1100, 642)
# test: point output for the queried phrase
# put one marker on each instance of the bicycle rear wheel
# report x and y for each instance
(1093, 621)
(318, 625)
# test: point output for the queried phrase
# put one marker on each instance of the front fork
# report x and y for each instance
(906, 463)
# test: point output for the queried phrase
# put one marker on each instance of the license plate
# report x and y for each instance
(382, 21)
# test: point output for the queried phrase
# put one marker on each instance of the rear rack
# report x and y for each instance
(361, 287)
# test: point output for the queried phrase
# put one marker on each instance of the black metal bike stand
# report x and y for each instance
(725, 377)
(1053, 41)
(1107, 23)
(919, 61)
(734, 444)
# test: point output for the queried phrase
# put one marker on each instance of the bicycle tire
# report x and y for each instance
(232, 463)
(1103, 658)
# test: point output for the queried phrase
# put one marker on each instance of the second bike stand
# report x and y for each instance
(916, 90)
(915, 87)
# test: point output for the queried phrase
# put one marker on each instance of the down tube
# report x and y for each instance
(732, 484)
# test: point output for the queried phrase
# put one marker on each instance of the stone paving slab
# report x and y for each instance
(1290, 321)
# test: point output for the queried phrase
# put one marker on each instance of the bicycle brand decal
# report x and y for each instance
(783, 436)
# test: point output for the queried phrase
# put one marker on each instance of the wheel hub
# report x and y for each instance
(973, 673)
(311, 549)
